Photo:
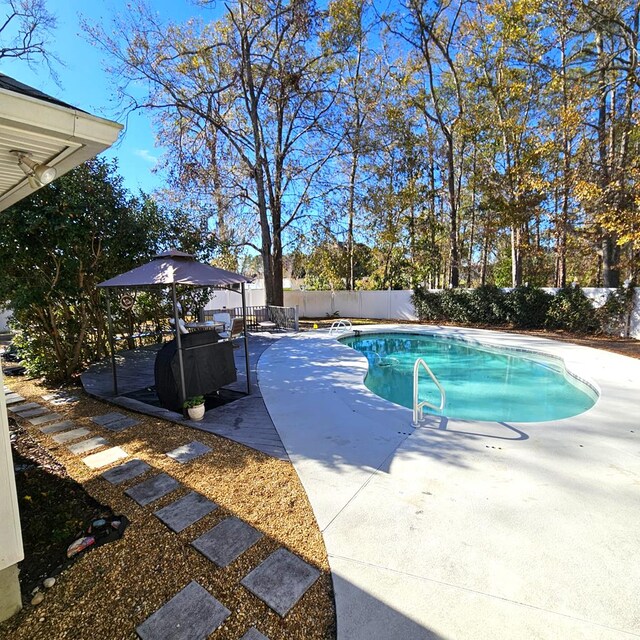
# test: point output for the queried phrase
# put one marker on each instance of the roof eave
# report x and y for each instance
(76, 135)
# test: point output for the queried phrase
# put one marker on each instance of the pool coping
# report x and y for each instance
(362, 463)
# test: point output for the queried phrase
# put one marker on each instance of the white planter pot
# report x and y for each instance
(196, 413)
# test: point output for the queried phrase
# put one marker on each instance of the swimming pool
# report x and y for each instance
(481, 383)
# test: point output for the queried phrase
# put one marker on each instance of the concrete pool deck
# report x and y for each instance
(462, 529)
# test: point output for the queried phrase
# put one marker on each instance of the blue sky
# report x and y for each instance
(85, 84)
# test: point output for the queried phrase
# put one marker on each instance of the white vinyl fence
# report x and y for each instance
(4, 318)
(223, 299)
(396, 305)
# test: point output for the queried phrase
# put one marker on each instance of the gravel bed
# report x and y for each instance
(111, 590)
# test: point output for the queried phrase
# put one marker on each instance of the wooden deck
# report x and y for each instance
(245, 420)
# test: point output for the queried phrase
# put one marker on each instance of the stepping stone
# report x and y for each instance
(13, 399)
(152, 489)
(253, 634)
(119, 425)
(126, 471)
(68, 436)
(67, 400)
(45, 418)
(188, 452)
(185, 511)
(114, 421)
(226, 541)
(58, 426)
(60, 398)
(87, 445)
(25, 407)
(107, 417)
(32, 413)
(103, 458)
(192, 614)
(281, 580)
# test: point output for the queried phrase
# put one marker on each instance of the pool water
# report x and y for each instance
(481, 383)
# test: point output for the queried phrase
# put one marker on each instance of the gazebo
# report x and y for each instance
(168, 270)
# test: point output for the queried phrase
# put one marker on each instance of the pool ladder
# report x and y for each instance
(339, 326)
(417, 405)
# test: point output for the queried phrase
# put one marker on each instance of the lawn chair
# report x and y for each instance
(234, 331)
(181, 324)
(224, 318)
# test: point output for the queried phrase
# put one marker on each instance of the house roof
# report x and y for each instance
(51, 131)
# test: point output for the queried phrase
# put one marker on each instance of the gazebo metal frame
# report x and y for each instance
(169, 269)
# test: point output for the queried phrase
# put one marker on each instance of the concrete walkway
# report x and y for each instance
(460, 529)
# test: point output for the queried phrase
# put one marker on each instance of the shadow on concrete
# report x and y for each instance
(371, 618)
(444, 425)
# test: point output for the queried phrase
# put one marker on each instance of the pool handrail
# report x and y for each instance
(340, 325)
(417, 405)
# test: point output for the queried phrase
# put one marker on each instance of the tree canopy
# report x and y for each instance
(462, 141)
(56, 246)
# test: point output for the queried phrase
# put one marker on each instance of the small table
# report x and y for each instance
(208, 325)
(267, 325)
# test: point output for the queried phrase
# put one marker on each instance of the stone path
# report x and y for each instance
(193, 613)
(226, 541)
(185, 511)
(66, 431)
(114, 421)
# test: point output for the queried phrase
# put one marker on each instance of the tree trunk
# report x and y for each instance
(516, 256)
(454, 256)
(610, 251)
(610, 259)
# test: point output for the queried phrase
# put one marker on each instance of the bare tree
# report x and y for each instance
(25, 28)
(250, 84)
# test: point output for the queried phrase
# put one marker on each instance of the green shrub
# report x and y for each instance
(614, 315)
(455, 305)
(486, 305)
(428, 305)
(526, 307)
(571, 310)
(523, 307)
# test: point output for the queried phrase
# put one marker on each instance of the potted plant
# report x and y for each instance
(195, 407)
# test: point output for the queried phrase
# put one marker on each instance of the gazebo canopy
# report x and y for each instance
(176, 267)
(169, 269)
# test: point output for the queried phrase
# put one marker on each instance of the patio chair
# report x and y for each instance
(181, 324)
(224, 318)
(234, 331)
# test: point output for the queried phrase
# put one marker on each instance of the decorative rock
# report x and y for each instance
(49, 582)
(37, 599)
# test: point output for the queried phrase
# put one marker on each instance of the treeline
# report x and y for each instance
(433, 142)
